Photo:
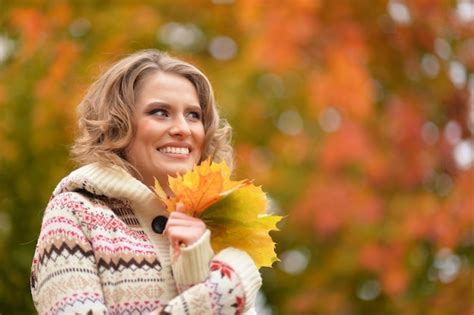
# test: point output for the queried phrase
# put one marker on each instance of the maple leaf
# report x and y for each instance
(199, 188)
(234, 211)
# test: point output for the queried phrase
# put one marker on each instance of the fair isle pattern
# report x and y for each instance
(93, 256)
(108, 220)
(137, 307)
(226, 295)
(100, 248)
(80, 302)
(223, 281)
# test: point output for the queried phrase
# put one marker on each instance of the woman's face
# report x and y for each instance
(169, 131)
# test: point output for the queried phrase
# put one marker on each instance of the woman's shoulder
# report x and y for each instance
(92, 178)
(79, 190)
(78, 204)
(94, 214)
(81, 193)
(105, 181)
(95, 196)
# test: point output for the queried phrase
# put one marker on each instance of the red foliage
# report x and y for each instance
(331, 205)
(350, 145)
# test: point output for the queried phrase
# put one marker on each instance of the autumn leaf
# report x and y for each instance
(200, 187)
(234, 211)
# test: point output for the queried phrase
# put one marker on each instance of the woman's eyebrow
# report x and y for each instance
(158, 103)
(168, 106)
(194, 107)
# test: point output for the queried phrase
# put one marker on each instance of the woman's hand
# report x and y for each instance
(182, 229)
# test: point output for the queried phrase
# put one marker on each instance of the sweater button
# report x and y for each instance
(158, 224)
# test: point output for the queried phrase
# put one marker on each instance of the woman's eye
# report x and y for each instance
(159, 112)
(194, 115)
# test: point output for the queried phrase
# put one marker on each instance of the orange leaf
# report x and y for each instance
(200, 188)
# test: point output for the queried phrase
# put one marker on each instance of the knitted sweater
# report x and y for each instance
(97, 254)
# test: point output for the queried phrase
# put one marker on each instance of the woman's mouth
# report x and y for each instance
(175, 150)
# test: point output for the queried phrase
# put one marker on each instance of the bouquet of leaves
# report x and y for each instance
(234, 211)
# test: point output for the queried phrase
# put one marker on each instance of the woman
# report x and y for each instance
(105, 241)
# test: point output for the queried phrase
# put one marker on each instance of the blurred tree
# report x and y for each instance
(355, 116)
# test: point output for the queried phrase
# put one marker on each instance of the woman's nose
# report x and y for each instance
(180, 127)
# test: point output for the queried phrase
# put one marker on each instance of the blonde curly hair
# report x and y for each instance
(105, 115)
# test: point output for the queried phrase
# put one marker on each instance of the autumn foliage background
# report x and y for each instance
(355, 116)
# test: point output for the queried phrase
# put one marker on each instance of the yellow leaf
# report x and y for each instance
(198, 189)
(159, 191)
(234, 211)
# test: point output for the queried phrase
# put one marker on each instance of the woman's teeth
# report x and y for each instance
(174, 150)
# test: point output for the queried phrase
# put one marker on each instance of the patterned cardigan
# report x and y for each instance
(98, 254)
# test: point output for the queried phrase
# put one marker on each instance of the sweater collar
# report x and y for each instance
(113, 182)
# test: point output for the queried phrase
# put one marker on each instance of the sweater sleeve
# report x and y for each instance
(230, 288)
(64, 275)
(192, 263)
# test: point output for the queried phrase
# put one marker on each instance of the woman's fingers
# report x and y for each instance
(180, 208)
(182, 219)
(183, 229)
(184, 222)
(181, 215)
(181, 234)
